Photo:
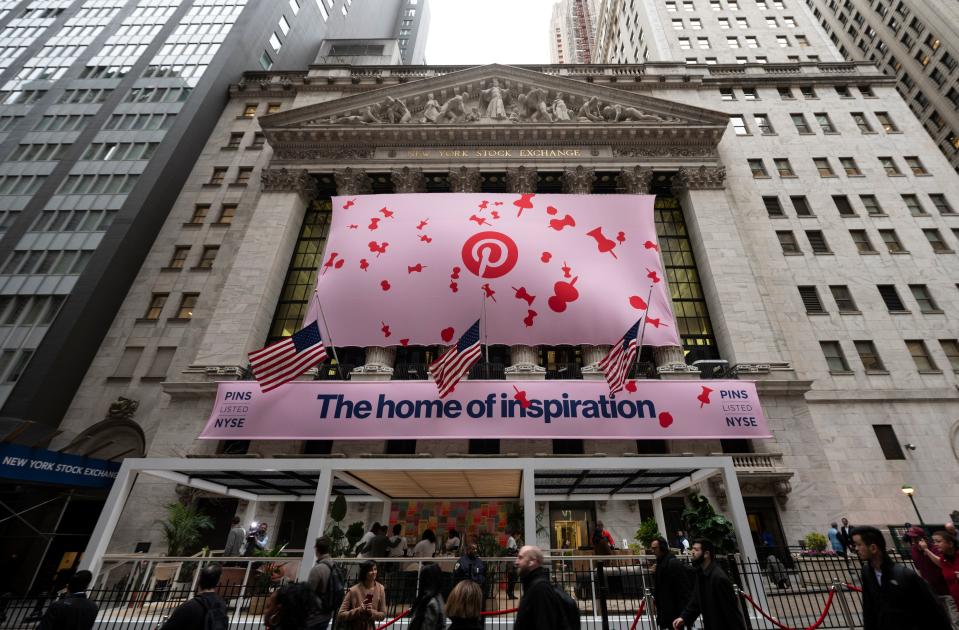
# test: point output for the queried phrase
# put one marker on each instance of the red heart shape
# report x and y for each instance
(447, 334)
(665, 419)
(339, 263)
(545, 257)
(638, 303)
(551, 210)
(386, 285)
(404, 342)
(631, 387)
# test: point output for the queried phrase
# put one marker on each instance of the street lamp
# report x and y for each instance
(909, 491)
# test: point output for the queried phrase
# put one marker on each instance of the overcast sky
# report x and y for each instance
(488, 31)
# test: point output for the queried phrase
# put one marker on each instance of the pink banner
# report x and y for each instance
(548, 269)
(338, 410)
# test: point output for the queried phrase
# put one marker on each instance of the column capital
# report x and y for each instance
(670, 363)
(408, 180)
(288, 180)
(578, 180)
(465, 179)
(522, 179)
(702, 178)
(352, 181)
(635, 180)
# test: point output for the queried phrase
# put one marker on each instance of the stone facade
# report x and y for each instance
(824, 460)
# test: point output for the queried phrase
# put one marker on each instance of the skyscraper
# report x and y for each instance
(572, 29)
(915, 41)
(105, 105)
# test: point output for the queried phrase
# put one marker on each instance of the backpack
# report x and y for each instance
(332, 598)
(213, 618)
(567, 607)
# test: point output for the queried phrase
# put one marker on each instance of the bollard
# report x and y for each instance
(843, 604)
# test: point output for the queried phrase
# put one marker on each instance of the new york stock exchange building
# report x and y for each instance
(815, 271)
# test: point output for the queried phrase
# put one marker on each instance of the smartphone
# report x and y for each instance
(368, 600)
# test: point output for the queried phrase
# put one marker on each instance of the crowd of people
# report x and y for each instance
(894, 596)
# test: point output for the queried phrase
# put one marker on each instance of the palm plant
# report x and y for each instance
(182, 528)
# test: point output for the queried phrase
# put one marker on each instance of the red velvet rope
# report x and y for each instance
(853, 588)
(639, 613)
(822, 617)
(394, 619)
(506, 611)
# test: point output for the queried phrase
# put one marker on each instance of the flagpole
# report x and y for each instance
(485, 333)
(329, 334)
(642, 330)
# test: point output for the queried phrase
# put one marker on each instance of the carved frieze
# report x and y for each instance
(665, 150)
(702, 178)
(324, 153)
(288, 180)
(636, 180)
(352, 181)
(465, 179)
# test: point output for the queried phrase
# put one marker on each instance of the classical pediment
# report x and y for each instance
(488, 102)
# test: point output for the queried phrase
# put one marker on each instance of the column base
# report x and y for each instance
(592, 373)
(525, 372)
(371, 372)
(678, 371)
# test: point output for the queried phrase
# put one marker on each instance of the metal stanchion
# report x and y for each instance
(843, 604)
(603, 593)
(650, 613)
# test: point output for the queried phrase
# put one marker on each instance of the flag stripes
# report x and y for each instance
(617, 363)
(284, 360)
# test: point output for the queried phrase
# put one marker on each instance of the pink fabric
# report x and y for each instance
(549, 269)
(482, 409)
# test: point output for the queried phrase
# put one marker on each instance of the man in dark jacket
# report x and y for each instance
(470, 567)
(671, 579)
(192, 614)
(713, 594)
(894, 597)
(75, 611)
(538, 609)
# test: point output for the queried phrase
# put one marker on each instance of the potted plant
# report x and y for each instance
(703, 522)
(266, 576)
(182, 528)
(647, 532)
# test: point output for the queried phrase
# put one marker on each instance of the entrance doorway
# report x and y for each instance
(570, 524)
(765, 526)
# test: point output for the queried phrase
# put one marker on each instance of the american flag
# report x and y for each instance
(447, 370)
(283, 361)
(621, 357)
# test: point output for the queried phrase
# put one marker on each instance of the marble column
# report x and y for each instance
(524, 359)
(241, 318)
(378, 363)
(465, 179)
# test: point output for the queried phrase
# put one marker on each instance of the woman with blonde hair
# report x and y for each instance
(465, 605)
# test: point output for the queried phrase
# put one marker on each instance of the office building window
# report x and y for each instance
(886, 122)
(810, 299)
(787, 240)
(178, 259)
(935, 241)
(758, 169)
(889, 165)
(920, 355)
(817, 241)
(823, 167)
(843, 298)
(208, 256)
(227, 213)
(272, 108)
(773, 207)
(890, 297)
(808, 91)
(187, 305)
(249, 110)
(801, 206)
(786, 93)
(916, 166)
(235, 139)
(950, 347)
(217, 176)
(862, 122)
(157, 301)
(891, 239)
(258, 140)
(914, 206)
(835, 359)
(861, 240)
(869, 356)
(200, 211)
(783, 167)
(824, 122)
(762, 123)
(888, 442)
(941, 203)
(843, 91)
(924, 298)
(266, 62)
(850, 167)
(739, 125)
(727, 94)
(843, 206)
(243, 176)
(871, 204)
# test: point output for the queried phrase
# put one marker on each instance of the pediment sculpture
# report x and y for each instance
(495, 104)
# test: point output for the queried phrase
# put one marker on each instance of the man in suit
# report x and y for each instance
(845, 533)
(673, 584)
(75, 611)
(234, 540)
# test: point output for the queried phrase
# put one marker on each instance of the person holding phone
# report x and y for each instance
(365, 602)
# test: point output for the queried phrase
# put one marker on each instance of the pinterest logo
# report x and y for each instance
(490, 254)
